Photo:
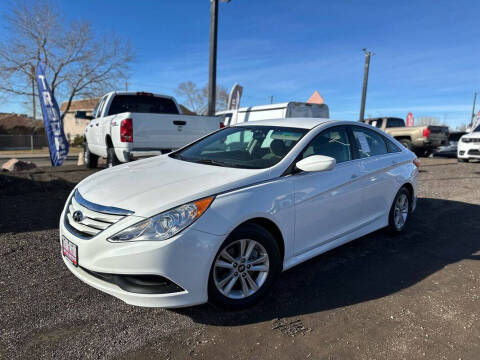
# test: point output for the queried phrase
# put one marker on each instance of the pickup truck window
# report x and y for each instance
(377, 123)
(394, 122)
(142, 104)
(99, 109)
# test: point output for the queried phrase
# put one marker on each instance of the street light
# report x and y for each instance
(212, 73)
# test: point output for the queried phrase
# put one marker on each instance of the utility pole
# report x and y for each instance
(126, 85)
(473, 109)
(368, 54)
(271, 99)
(212, 73)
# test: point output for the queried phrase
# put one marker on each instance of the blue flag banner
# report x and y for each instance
(57, 141)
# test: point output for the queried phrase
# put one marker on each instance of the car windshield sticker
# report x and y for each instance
(363, 142)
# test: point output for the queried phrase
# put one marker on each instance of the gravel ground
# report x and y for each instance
(380, 297)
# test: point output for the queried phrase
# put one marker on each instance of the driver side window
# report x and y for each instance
(332, 142)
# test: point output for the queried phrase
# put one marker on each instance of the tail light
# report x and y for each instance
(126, 130)
(222, 125)
(426, 132)
(416, 162)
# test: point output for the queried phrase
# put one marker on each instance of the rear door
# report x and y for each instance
(376, 164)
(328, 204)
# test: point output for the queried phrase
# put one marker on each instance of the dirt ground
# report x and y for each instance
(412, 296)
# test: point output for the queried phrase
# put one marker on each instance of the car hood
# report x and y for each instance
(153, 185)
(471, 135)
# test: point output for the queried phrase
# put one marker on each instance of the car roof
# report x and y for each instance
(302, 123)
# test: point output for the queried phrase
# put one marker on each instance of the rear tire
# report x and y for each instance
(91, 160)
(407, 143)
(248, 286)
(400, 211)
(112, 159)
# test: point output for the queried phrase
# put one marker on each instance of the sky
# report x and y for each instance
(426, 53)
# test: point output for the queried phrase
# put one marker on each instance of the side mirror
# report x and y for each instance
(83, 115)
(316, 163)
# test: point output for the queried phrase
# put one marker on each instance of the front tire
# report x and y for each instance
(112, 159)
(400, 211)
(462, 160)
(91, 160)
(244, 268)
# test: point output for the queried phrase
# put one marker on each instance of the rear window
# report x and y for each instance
(394, 122)
(142, 104)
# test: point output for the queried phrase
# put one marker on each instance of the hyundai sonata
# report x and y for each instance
(219, 219)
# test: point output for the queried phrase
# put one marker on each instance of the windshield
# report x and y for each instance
(476, 129)
(254, 147)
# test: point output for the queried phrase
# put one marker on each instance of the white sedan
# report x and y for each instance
(219, 219)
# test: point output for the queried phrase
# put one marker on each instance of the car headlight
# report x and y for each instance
(165, 225)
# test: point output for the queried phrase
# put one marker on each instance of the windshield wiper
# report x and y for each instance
(211, 162)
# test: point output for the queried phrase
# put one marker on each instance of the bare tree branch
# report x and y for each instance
(197, 99)
(77, 61)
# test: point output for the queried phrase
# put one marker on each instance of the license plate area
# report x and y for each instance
(70, 251)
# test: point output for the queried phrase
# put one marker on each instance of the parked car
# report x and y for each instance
(127, 125)
(219, 219)
(290, 109)
(422, 140)
(469, 146)
(450, 150)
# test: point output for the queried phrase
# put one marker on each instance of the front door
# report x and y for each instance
(328, 204)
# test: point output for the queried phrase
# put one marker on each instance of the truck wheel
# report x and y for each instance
(112, 159)
(91, 160)
(407, 143)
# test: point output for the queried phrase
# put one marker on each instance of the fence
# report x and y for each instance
(23, 142)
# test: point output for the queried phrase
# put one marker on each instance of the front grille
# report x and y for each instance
(86, 219)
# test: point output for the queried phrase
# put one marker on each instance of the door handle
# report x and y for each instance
(179, 122)
(354, 176)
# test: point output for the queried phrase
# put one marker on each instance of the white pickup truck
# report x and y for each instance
(128, 125)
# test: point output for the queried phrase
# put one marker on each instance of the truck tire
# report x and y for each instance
(90, 160)
(112, 159)
(407, 143)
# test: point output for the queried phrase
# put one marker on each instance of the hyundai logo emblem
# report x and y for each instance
(77, 216)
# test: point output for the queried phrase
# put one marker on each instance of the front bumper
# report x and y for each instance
(185, 260)
(468, 150)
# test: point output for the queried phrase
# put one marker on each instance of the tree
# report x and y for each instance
(78, 63)
(196, 99)
(428, 120)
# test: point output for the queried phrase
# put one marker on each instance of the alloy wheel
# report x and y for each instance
(241, 269)
(401, 211)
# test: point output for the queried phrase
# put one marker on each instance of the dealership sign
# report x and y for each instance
(57, 142)
(410, 119)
